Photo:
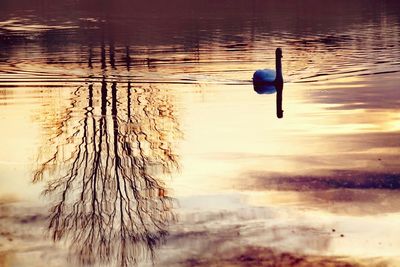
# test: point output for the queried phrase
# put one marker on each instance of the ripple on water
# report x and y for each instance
(65, 48)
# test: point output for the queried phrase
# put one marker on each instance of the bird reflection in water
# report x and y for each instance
(113, 148)
(271, 89)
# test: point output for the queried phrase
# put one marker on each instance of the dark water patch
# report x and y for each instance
(340, 179)
(382, 61)
(264, 256)
(379, 72)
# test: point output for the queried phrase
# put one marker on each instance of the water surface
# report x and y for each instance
(131, 134)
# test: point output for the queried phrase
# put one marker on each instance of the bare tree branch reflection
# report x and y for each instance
(107, 174)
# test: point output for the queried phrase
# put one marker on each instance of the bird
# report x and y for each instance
(269, 78)
(267, 81)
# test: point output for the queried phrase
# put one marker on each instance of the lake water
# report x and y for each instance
(131, 133)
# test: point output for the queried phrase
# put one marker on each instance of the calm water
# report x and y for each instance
(131, 134)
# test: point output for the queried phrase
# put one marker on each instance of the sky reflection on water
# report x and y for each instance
(144, 127)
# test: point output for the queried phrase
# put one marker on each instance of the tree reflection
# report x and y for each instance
(106, 173)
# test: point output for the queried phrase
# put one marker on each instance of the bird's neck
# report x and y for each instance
(278, 65)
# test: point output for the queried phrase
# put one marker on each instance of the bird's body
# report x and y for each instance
(264, 76)
(270, 76)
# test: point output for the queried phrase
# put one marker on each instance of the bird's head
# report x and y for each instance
(278, 52)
